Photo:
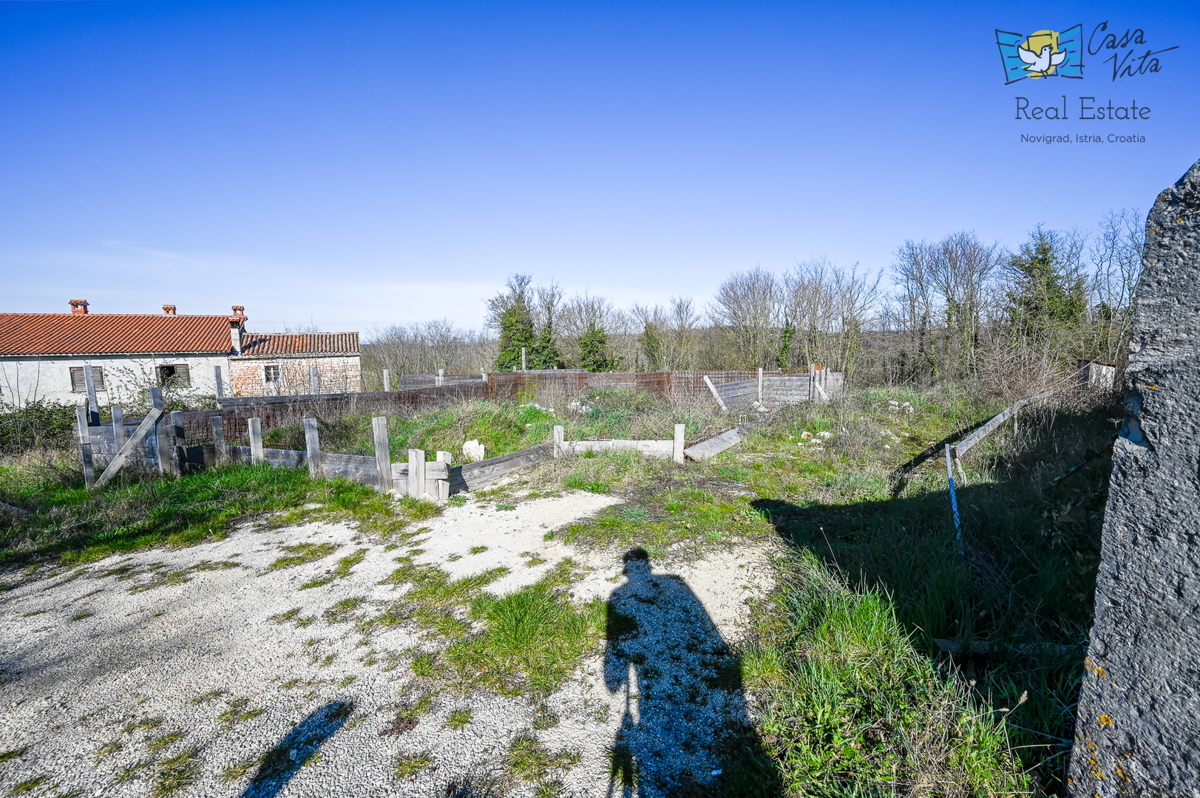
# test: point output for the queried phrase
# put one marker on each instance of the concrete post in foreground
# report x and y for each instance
(1137, 728)
(559, 437)
(416, 473)
(85, 445)
(312, 446)
(257, 456)
(443, 485)
(677, 444)
(383, 451)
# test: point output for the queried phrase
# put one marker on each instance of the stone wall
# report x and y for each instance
(337, 374)
(1137, 728)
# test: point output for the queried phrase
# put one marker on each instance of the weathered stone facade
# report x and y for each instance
(1137, 730)
(290, 376)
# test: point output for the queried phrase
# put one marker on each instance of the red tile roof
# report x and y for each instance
(111, 334)
(299, 344)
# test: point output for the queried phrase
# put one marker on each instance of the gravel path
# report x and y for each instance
(176, 671)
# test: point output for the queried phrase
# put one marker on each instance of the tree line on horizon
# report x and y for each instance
(947, 310)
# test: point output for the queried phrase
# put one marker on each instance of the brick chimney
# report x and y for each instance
(169, 310)
(79, 307)
(237, 325)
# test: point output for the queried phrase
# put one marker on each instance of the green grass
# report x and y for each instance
(532, 640)
(530, 761)
(236, 712)
(302, 554)
(459, 718)
(28, 786)
(1027, 577)
(16, 753)
(69, 524)
(344, 566)
(407, 765)
(341, 612)
(177, 773)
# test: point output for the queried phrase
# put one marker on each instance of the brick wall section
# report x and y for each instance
(337, 374)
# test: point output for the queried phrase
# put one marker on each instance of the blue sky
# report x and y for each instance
(359, 164)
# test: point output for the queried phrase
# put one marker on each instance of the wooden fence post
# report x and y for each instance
(387, 381)
(443, 485)
(218, 428)
(85, 444)
(162, 440)
(118, 425)
(257, 456)
(89, 384)
(312, 445)
(716, 394)
(383, 452)
(677, 447)
(559, 446)
(178, 442)
(125, 452)
(416, 473)
(220, 385)
(315, 379)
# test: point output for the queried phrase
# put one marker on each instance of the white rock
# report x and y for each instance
(473, 450)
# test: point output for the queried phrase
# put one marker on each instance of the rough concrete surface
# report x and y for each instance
(1137, 729)
(118, 674)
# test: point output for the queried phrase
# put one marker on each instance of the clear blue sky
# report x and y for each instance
(359, 163)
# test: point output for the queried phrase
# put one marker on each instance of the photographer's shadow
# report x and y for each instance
(685, 730)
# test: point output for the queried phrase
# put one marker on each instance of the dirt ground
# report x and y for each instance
(205, 671)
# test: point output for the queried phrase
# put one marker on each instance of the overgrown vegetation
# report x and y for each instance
(69, 524)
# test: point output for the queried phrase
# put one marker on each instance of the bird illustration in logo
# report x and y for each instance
(1043, 54)
(1040, 64)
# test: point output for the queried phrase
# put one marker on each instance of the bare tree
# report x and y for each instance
(748, 310)
(423, 348)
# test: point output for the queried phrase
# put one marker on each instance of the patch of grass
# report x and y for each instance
(424, 666)
(237, 712)
(532, 560)
(165, 578)
(176, 773)
(148, 724)
(285, 617)
(302, 554)
(343, 611)
(107, 750)
(344, 567)
(530, 761)
(407, 765)
(163, 742)
(506, 506)
(71, 524)
(457, 500)
(532, 639)
(544, 719)
(478, 549)
(28, 786)
(239, 769)
(459, 718)
(79, 616)
(15, 753)
(349, 680)
(211, 695)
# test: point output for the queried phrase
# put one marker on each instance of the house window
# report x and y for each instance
(178, 376)
(271, 375)
(77, 381)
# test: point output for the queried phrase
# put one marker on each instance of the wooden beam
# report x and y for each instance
(135, 440)
(976, 437)
(85, 444)
(383, 452)
(714, 446)
(716, 394)
(559, 443)
(218, 428)
(442, 484)
(678, 443)
(89, 384)
(118, 425)
(257, 456)
(312, 446)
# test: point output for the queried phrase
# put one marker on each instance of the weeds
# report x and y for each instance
(236, 712)
(459, 718)
(176, 773)
(302, 554)
(529, 760)
(344, 567)
(408, 765)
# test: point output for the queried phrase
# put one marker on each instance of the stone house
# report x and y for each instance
(43, 356)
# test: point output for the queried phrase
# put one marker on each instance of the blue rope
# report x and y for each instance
(954, 503)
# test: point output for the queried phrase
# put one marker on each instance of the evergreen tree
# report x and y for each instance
(593, 350)
(516, 332)
(783, 357)
(652, 344)
(1047, 296)
(544, 353)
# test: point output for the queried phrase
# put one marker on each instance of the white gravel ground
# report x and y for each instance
(88, 655)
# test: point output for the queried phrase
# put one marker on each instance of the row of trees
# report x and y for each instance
(958, 308)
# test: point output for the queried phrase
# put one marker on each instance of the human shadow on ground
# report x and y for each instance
(283, 761)
(685, 729)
